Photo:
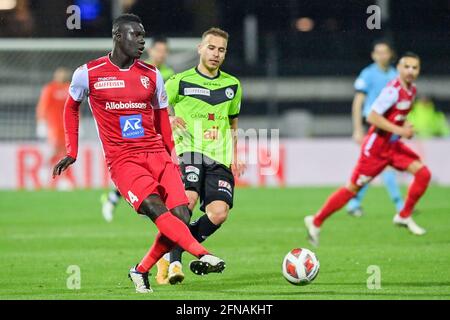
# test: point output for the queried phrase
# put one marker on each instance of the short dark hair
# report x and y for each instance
(386, 42)
(124, 18)
(159, 39)
(409, 54)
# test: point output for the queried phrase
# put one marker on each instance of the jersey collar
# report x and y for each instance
(127, 69)
(205, 76)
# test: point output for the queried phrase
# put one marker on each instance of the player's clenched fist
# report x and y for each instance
(407, 131)
(62, 165)
(238, 167)
(177, 123)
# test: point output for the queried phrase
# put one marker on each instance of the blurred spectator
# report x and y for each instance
(427, 121)
(50, 113)
(158, 52)
(17, 21)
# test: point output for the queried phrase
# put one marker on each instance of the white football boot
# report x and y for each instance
(312, 230)
(409, 223)
(140, 281)
(107, 208)
(207, 264)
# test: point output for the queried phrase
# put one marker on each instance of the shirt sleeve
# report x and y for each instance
(159, 100)
(172, 87)
(387, 98)
(362, 82)
(235, 107)
(79, 87)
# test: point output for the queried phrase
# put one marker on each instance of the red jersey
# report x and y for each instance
(394, 103)
(122, 103)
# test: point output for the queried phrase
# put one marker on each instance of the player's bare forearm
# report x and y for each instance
(171, 111)
(234, 128)
(237, 167)
(381, 122)
(357, 104)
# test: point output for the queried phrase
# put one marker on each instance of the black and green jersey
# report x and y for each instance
(206, 105)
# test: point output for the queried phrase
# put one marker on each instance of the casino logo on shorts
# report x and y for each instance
(229, 93)
(225, 184)
(192, 177)
(132, 126)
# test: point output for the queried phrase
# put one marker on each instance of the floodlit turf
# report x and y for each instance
(42, 233)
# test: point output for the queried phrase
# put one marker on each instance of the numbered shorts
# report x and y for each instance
(142, 174)
(211, 180)
(398, 155)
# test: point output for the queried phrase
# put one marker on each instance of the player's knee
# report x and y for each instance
(152, 207)
(354, 187)
(424, 174)
(218, 214)
(183, 213)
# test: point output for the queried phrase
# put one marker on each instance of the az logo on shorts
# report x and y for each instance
(132, 126)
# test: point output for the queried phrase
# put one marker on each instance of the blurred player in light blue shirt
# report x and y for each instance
(368, 86)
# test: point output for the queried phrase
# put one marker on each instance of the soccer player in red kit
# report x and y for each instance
(129, 104)
(382, 147)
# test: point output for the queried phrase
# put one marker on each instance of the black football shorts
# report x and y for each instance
(211, 180)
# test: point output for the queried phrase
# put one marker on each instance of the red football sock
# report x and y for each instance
(416, 190)
(336, 201)
(158, 249)
(174, 229)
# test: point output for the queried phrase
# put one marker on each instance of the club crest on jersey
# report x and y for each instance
(229, 93)
(403, 105)
(131, 126)
(145, 82)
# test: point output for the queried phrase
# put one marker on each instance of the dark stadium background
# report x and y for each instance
(338, 44)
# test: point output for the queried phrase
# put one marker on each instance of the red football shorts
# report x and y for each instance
(396, 154)
(141, 174)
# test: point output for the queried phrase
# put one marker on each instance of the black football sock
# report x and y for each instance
(201, 230)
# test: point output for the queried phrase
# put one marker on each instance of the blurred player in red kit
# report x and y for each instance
(129, 104)
(49, 116)
(382, 147)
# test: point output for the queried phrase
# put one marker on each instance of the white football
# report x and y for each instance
(300, 266)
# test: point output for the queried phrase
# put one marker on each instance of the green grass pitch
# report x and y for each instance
(42, 233)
